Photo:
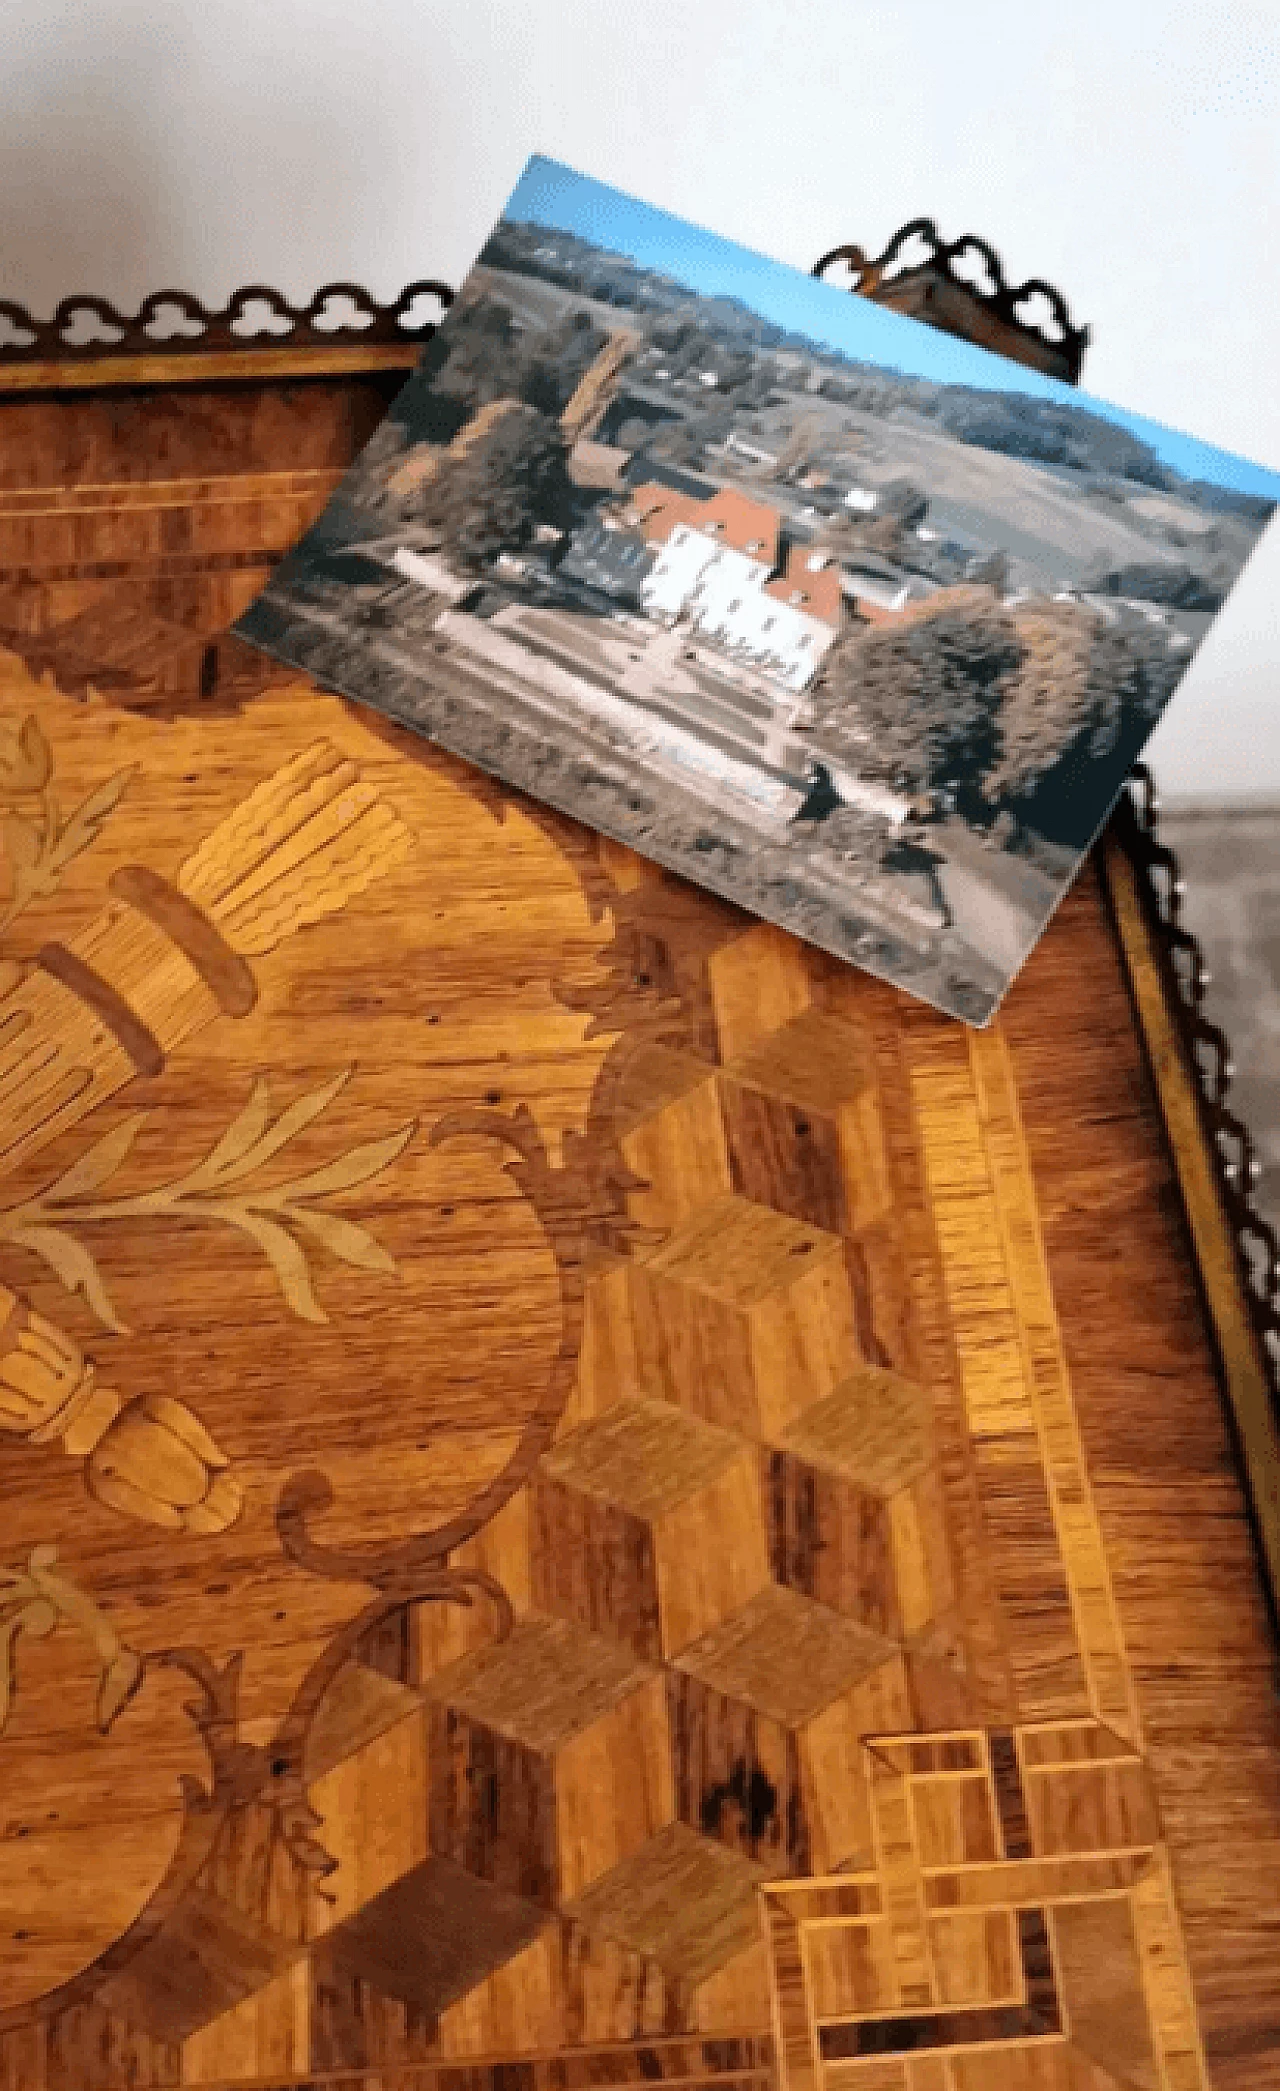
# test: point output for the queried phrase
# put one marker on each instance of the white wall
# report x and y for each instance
(1125, 149)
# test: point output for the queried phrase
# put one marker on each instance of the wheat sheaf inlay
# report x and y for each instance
(163, 960)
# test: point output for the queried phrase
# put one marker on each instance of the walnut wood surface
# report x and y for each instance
(582, 1489)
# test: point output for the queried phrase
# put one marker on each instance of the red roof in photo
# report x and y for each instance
(818, 593)
(646, 498)
(660, 508)
(744, 525)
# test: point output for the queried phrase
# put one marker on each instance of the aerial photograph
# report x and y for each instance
(854, 623)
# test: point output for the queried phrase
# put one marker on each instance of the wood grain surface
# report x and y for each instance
(584, 1491)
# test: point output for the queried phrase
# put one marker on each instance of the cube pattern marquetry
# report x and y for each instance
(649, 1524)
(733, 1571)
(808, 1747)
(563, 1733)
(722, 1568)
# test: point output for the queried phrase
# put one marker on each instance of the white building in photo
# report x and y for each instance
(786, 626)
(717, 548)
(718, 564)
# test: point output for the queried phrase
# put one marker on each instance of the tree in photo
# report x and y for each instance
(800, 450)
(715, 424)
(734, 369)
(846, 532)
(677, 442)
(633, 434)
(481, 358)
(991, 569)
(903, 500)
(886, 534)
(1051, 701)
(1178, 583)
(507, 472)
(755, 393)
(549, 375)
(915, 704)
(1078, 708)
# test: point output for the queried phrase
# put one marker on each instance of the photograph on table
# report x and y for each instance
(857, 624)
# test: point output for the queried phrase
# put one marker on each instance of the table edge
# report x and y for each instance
(1235, 1250)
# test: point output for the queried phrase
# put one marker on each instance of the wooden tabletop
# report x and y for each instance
(582, 1488)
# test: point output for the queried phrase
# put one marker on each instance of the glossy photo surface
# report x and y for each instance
(857, 624)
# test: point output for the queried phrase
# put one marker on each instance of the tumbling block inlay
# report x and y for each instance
(516, 2010)
(759, 982)
(856, 1516)
(648, 1525)
(273, 2026)
(430, 1937)
(443, 1634)
(213, 1958)
(743, 1316)
(874, 1429)
(803, 1123)
(671, 1134)
(359, 1706)
(683, 1900)
(607, 1363)
(770, 1711)
(373, 1802)
(564, 1736)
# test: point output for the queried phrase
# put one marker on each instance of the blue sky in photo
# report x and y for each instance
(553, 195)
